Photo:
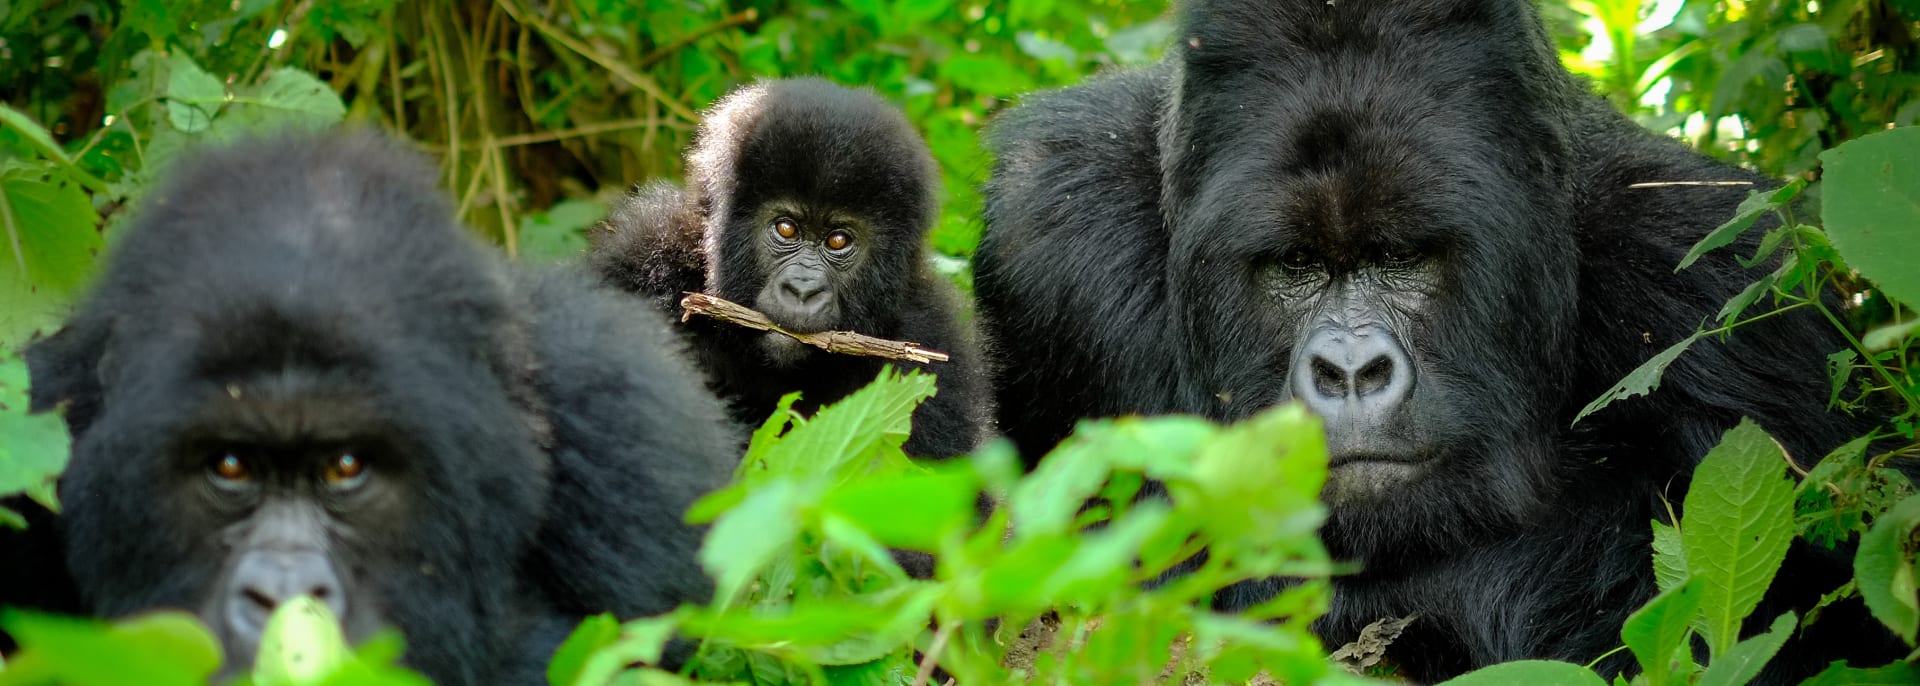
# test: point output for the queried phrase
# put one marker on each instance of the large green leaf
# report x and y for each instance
(48, 246)
(1735, 528)
(1871, 208)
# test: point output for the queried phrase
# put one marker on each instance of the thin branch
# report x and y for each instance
(932, 657)
(843, 342)
(614, 67)
(746, 16)
(1709, 184)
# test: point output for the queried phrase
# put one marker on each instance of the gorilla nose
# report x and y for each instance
(1348, 376)
(266, 578)
(804, 292)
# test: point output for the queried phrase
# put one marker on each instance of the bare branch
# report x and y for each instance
(843, 342)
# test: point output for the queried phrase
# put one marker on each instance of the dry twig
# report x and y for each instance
(843, 342)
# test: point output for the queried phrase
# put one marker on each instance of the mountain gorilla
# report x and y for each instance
(809, 202)
(1410, 217)
(299, 376)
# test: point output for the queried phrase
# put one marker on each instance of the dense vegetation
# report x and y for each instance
(541, 111)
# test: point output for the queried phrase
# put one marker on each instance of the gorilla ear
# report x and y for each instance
(65, 368)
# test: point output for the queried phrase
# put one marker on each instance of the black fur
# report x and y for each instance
(818, 152)
(546, 435)
(1129, 220)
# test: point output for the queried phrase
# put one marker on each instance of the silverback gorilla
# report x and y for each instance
(809, 202)
(299, 376)
(1408, 216)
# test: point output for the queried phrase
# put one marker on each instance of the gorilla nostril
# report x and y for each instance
(260, 599)
(1328, 378)
(1377, 375)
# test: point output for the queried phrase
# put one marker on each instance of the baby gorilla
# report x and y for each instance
(299, 376)
(809, 202)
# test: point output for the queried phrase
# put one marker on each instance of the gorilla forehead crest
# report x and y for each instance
(808, 138)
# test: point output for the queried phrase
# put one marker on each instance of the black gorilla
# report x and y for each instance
(299, 376)
(1410, 217)
(809, 202)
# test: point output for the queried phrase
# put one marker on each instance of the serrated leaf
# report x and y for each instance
(288, 98)
(1669, 557)
(1735, 528)
(1741, 663)
(193, 95)
(1642, 380)
(1885, 569)
(849, 433)
(1660, 627)
(1757, 205)
(1731, 311)
(1871, 207)
(53, 224)
(1530, 672)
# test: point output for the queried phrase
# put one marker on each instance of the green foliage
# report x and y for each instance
(1872, 208)
(302, 646)
(810, 594)
(33, 447)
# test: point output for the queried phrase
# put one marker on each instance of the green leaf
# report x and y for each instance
(1669, 557)
(1840, 493)
(1642, 380)
(641, 641)
(560, 232)
(1889, 336)
(1871, 207)
(851, 432)
(1737, 523)
(193, 95)
(1660, 627)
(593, 634)
(33, 447)
(1839, 674)
(302, 644)
(1741, 663)
(52, 222)
(1745, 299)
(750, 535)
(916, 512)
(1885, 568)
(288, 98)
(161, 649)
(1757, 205)
(1530, 672)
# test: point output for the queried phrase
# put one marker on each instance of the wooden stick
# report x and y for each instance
(843, 342)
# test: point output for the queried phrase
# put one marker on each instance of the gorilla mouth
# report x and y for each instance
(1340, 459)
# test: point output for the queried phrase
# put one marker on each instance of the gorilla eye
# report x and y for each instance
(346, 471)
(785, 228)
(1297, 260)
(230, 469)
(1400, 257)
(839, 240)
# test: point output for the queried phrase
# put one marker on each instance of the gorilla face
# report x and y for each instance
(258, 478)
(813, 257)
(1402, 280)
